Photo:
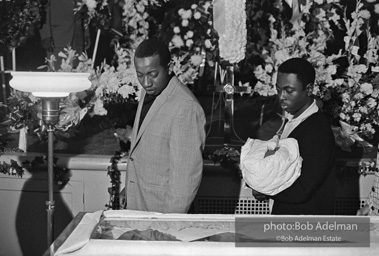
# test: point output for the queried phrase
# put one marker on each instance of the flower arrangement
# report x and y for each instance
(346, 83)
(186, 67)
(109, 85)
(18, 23)
(133, 22)
(92, 9)
(297, 42)
(359, 85)
(194, 50)
(115, 84)
(230, 23)
(177, 26)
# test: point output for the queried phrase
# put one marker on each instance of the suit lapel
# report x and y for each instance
(136, 121)
(158, 103)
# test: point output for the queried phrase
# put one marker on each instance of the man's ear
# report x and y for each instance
(309, 89)
(170, 67)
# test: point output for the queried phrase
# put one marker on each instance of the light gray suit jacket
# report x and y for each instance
(165, 162)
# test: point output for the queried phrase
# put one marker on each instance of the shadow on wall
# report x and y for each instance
(31, 219)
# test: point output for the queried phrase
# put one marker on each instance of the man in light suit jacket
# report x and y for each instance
(165, 160)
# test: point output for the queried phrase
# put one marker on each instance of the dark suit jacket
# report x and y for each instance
(313, 192)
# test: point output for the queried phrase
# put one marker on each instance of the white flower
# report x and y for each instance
(319, 1)
(197, 15)
(371, 103)
(140, 8)
(91, 4)
(354, 50)
(366, 88)
(281, 56)
(321, 15)
(125, 91)
(264, 89)
(185, 23)
(176, 30)
(357, 96)
(365, 14)
(186, 14)
(363, 110)
(181, 11)
(335, 17)
(194, 6)
(376, 10)
(332, 69)
(207, 5)
(269, 68)
(99, 108)
(207, 43)
(196, 59)
(177, 41)
(189, 43)
(189, 34)
(289, 41)
(357, 117)
(345, 97)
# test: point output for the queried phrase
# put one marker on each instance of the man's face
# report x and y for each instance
(293, 97)
(151, 74)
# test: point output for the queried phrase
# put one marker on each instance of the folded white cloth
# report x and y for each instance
(81, 234)
(270, 167)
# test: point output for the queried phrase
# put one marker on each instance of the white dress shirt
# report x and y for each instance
(294, 122)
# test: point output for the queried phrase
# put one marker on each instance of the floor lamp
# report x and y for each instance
(50, 87)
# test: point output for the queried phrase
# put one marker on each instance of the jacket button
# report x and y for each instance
(373, 189)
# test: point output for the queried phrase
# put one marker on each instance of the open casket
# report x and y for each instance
(125, 232)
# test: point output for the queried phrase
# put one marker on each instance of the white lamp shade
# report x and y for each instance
(50, 84)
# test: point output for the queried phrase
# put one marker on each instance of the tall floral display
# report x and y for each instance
(230, 23)
(359, 88)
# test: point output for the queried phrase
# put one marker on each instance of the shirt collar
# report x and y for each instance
(313, 108)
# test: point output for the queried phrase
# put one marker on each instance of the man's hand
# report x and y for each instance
(363, 211)
(260, 196)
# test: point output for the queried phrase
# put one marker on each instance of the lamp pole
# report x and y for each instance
(50, 117)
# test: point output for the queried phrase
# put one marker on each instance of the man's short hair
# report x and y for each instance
(303, 70)
(151, 47)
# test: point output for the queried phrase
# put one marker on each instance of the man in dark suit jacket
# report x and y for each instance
(313, 192)
(63, 28)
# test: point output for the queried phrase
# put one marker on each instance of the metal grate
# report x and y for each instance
(348, 206)
(224, 205)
